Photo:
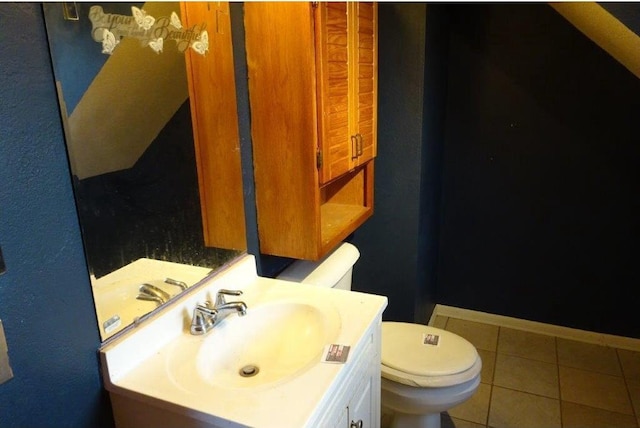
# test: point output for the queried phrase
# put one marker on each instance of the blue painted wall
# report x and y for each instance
(540, 172)
(394, 243)
(45, 297)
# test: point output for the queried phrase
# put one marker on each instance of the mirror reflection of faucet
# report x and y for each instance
(181, 284)
(152, 293)
(206, 317)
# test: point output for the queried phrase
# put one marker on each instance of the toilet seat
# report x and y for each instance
(423, 356)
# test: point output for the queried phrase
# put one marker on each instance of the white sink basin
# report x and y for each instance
(273, 342)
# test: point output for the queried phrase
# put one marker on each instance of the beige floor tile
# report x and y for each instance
(588, 356)
(579, 416)
(526, 375)
(630, 361)
(476, 408)
(488, 365)
(482, 336)
(595, 390)
(513, 409)
(440, 322)
(634, 392)
(448, 422)
(528, 345)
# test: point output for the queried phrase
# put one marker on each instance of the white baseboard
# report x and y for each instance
(613, 341)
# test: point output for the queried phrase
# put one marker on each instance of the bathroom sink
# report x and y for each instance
(159, 374)
(273, 342)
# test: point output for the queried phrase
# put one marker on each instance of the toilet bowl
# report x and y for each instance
(425, 370)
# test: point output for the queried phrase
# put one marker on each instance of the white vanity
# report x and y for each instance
(264, 369)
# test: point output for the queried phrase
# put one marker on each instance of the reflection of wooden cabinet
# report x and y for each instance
(215, 124)
(313, 94)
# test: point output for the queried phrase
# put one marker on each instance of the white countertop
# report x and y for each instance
(135, 364)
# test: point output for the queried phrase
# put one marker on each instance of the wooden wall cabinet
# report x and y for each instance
(214, 115)
(313, 94)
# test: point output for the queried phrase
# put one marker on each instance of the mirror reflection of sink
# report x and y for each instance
(273, 342)
(115, 293)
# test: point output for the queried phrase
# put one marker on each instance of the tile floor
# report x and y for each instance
(532, 380)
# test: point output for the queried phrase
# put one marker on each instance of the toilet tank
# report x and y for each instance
(334, 270)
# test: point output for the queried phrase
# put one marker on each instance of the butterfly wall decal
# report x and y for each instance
(109, 42)
(143, 20)
(157, 44)
(175, 21)
(201, 45)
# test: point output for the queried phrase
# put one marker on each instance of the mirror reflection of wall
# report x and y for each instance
(128, 128)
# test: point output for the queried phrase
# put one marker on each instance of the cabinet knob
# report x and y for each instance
(356, 424)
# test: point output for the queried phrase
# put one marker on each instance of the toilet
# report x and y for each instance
(425, 370)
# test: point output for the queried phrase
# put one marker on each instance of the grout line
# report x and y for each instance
(520, 391)
(491, 385)
(562, 332)
(555, 347)
(626, 384)
(493, 377)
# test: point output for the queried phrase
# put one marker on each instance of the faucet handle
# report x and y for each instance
(204, 317)
(220, 300)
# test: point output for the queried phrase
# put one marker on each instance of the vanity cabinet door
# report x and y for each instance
(360, 407)
(346, 58)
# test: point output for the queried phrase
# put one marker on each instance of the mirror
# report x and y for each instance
(149, 125)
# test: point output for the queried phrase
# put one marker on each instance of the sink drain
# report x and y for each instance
(249, 370)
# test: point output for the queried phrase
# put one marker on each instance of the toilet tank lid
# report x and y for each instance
(325, 272)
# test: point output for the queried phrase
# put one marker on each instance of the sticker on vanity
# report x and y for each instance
(335, 354)
(430, 339)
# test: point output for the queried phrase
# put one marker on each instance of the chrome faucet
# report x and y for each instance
(206, 317)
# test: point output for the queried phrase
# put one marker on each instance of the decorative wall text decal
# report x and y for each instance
(110, 28)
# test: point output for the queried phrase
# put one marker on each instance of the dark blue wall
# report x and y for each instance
(45, 297)
(540, 186)
(393, 243)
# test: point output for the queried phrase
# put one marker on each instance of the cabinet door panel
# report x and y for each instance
(332, 59)
(365, 64)
(346, 55)
(360, 406)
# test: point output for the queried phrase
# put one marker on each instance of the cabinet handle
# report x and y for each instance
(356, 424)
(354, 146)
(359, 144)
